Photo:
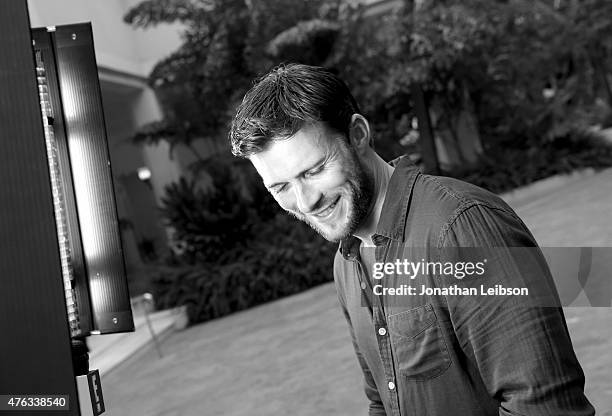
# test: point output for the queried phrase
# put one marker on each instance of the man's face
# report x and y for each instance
(315, 176)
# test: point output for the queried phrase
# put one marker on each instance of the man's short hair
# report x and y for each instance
(286, 99)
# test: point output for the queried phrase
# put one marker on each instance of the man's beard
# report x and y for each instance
(359, 200)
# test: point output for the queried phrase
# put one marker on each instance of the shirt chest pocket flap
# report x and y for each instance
(418, 344)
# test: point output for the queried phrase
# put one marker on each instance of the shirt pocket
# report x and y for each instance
(418, 344)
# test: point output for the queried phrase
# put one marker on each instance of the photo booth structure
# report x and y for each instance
(62, 272)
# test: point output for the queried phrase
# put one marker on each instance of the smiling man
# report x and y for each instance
(433, 354)
(316, 177)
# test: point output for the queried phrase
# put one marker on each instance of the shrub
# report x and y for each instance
(286, 258)
(206, 222)
(516, 167)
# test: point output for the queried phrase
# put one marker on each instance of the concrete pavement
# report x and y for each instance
(107, 352)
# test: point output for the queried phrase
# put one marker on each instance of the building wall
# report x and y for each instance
(118, 46)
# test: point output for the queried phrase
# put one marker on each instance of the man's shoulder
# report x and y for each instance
(448, 195)
(437, 201)
(457, 193)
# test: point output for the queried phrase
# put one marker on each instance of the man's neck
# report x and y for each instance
(381, 172)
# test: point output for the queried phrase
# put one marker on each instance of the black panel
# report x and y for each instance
(92, 178)
(35, 343)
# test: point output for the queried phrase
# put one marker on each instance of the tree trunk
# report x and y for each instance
(598, 63)
(421, 108)
(426, 135)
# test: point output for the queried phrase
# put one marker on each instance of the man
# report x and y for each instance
(430, 353)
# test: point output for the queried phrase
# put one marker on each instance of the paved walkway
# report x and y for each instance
(294, 357)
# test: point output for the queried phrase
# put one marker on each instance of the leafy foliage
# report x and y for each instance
(190, 81)
(309, 42)
(225, 45)
(213, 290)
(562, 155)
(206, 223)
(529, 71)
(505, 54)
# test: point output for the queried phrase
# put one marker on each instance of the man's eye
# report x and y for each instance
(278, 189)
(314, 171)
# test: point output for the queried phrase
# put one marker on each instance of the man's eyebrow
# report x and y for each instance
(314, 165)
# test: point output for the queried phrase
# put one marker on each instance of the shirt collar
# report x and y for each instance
(391, 224)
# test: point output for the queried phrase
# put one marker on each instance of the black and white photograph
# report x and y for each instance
(306, 207)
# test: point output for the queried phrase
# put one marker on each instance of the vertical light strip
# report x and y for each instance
(61, 221)
(87, 201)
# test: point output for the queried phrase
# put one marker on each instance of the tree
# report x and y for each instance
(225, 45)
(196, 82)
(522, 67)
(514, 72)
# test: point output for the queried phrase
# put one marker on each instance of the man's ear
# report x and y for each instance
(359, 133)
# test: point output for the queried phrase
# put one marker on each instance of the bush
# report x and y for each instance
(206, 223)
(514, 167)
(286, 258)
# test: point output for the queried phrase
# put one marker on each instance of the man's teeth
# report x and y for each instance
(328, 209)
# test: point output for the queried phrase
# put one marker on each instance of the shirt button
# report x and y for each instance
(363, 285)
(391, 385)
(382, 331)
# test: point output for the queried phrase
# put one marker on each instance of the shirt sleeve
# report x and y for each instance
(375, 407)
(520, 346)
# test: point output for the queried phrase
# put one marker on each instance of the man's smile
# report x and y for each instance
(326, 212)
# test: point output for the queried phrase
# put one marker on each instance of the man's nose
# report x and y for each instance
(307, 198)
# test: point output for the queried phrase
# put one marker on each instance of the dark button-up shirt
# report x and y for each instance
(443, 354)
